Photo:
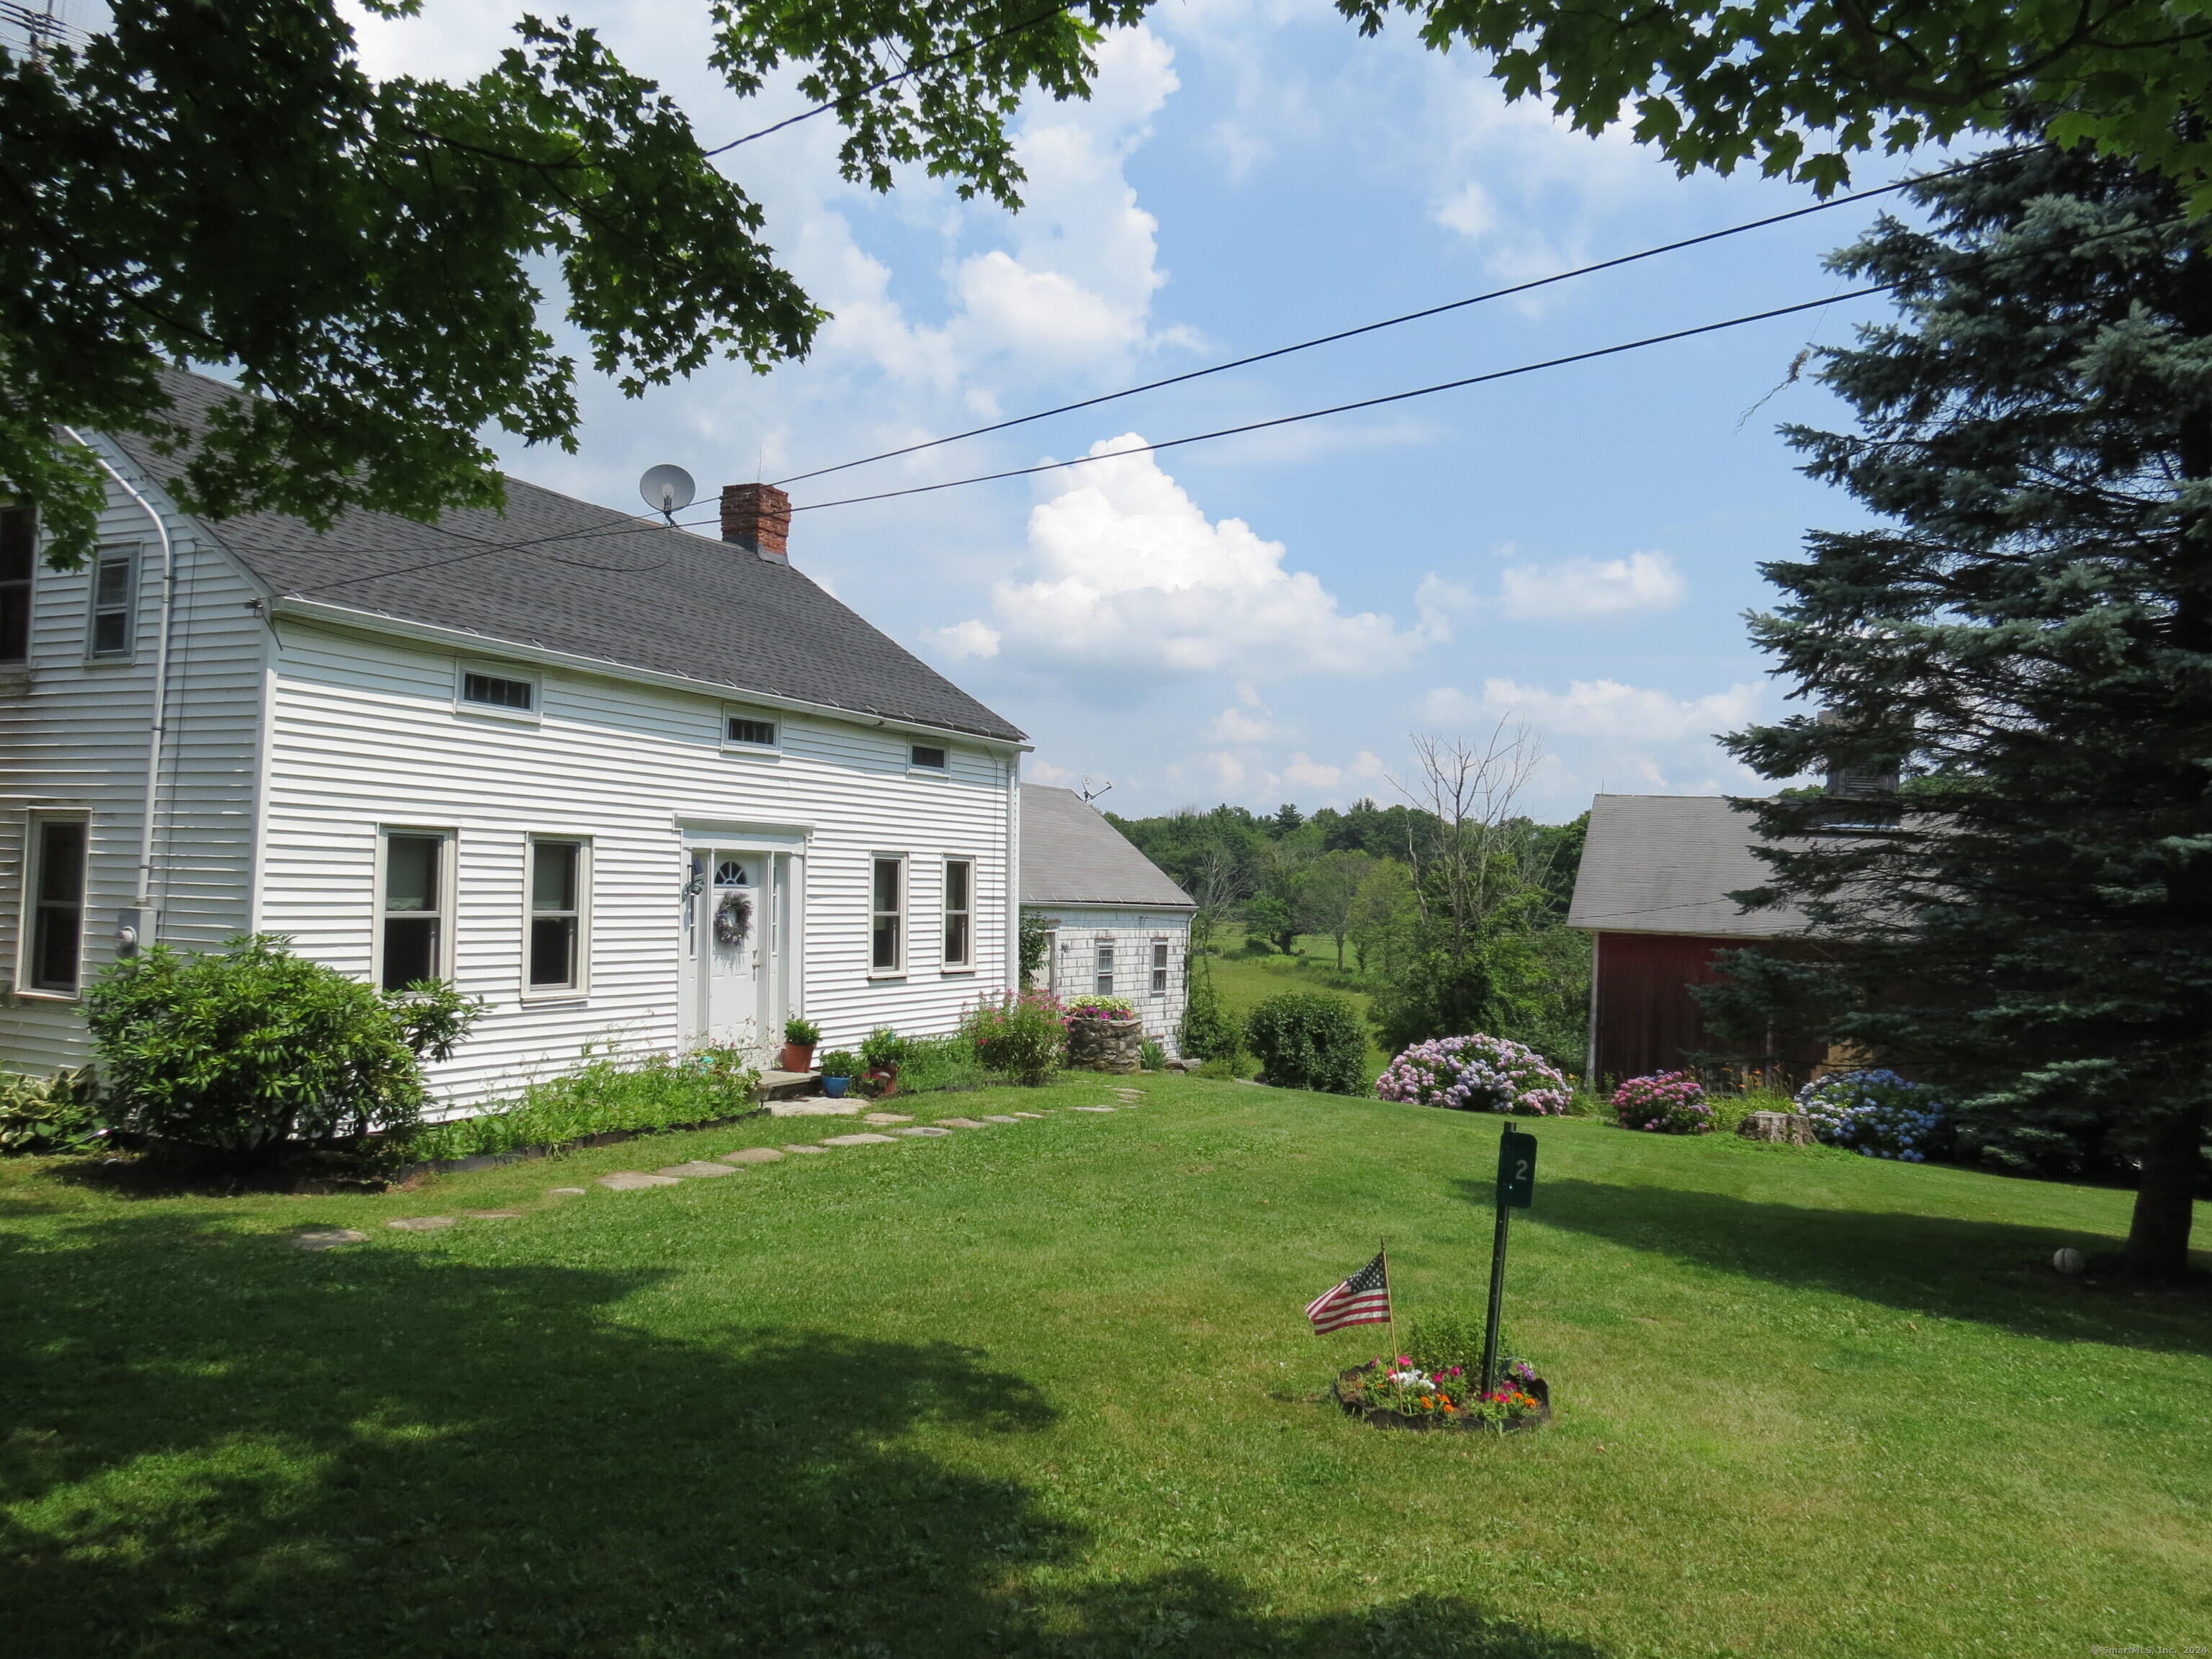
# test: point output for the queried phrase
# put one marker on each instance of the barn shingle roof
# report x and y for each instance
(1071, 855)
(591, 583)
(1665, 864)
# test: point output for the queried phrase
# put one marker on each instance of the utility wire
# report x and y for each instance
(643, 523)
(1390, 322)
(914, 69)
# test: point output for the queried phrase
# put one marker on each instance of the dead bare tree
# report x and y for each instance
(1461, 842)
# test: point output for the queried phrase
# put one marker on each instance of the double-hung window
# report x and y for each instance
(1159, 968)
(887, 916)
(415, 933)
(1102, 975)
(19, 546)
(114, 602)
(959, 912)
(559, 885)
(57, 888)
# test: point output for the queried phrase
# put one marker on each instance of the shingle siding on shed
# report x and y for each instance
(73, 738)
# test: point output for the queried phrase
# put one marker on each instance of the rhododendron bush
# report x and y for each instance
(1477, 1073)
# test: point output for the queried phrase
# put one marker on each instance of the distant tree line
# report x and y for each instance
(1452, 906)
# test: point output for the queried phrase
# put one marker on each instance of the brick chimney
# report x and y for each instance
(757, 517)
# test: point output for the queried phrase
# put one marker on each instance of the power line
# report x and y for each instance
(1366, 403)
(1364, 328)
(912, 70)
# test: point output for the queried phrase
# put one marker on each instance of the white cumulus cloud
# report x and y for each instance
(1604, 709)
(1135, 575)
(1593, 587)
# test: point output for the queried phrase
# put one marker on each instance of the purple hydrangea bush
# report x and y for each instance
(1665, 1103)
(1877, 1113)
(1477, 1073)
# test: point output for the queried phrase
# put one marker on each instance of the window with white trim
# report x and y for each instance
(887, 916)
(1102, 979)
(498, 691)
(19, 546)
(57, 887)
(748, 732)
(927, 755)
(415, 932)
(558, 951)
(959, 912)
(112, 624)
(1159, 968)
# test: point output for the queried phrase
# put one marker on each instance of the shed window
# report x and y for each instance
(959, 912)
(887, 916)
(923, 754)
(19, 545)
(58, 928)
(494, 692)
(759, 733)
(114, 601)
(557, 916)
(416, 912)
(1102, 974)
(1159, 968)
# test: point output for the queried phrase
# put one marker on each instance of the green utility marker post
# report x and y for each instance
(1516, 1190)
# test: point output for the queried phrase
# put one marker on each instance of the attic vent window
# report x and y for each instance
(925, 755)
(495, 693)
(761, 733)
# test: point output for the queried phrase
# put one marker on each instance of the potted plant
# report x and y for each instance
(881, 1050)
(839, 1068)
(800, 1036)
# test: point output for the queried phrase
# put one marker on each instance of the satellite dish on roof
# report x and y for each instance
(667, 489)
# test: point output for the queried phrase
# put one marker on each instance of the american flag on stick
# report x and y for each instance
(1362, 1299)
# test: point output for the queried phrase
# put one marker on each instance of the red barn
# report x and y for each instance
(1652, 892)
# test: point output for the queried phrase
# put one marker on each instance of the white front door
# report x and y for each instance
(727, 935)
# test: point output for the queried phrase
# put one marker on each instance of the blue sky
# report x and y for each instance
(1270, 618)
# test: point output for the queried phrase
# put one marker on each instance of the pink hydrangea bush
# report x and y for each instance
(1477, 1073)
(1665, 1103)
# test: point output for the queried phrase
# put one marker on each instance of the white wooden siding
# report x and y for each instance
(73, 738)
(364, 733)
(1079, 929)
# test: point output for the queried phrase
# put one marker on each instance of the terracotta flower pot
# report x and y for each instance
(798, 1056)
(883, 1082)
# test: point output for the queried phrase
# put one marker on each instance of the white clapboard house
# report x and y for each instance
(1120, 925)
(632, 786)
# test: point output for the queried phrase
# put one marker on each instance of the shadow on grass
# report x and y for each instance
(1991, 1272)
(240, 1449)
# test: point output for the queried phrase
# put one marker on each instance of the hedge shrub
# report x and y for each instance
(1304, 1040)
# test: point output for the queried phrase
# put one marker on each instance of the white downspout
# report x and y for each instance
(157, 728)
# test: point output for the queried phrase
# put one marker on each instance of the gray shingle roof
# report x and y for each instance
(1664, 864)
(608, 587)
(1071, 855)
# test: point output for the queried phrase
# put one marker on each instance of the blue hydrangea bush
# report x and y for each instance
(1477, 1073)
(1876, 1113)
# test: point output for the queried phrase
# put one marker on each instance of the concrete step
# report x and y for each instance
(786, 1085)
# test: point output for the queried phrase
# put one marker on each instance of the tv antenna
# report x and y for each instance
(1089, 794)
(667, 489)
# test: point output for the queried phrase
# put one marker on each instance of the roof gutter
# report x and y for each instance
(486, 645)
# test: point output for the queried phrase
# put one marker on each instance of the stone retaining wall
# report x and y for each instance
(1106, 1045)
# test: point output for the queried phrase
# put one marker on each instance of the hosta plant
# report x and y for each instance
(1477, 1073)
(1665, 1103)
(1877, 1113)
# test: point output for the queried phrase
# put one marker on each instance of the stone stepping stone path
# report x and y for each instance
(958, 1123)
(326, 1238)
(1038, 1115)
(805, 1149)
(420, 1223)
(815, 1106)
(925, 1129)
(987, 1119)
(564, 1192)
(885, 1117)
(858, 1141)
(754, 1155)
(631, 1181)
(495, 1215)
(1090, 1109)
(697, 1169)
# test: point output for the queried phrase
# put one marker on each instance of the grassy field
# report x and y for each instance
(1044, 1389)
(1248, 974)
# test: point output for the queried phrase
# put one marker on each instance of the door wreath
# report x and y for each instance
(733, 919)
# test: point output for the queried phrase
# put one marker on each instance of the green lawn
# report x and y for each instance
(1044, 1389)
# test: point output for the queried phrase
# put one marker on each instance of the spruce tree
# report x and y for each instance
(2027, 634)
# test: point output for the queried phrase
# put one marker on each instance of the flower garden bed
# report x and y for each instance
(1397, 1394)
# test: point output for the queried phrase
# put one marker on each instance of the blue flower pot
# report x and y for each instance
(834, 1087)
